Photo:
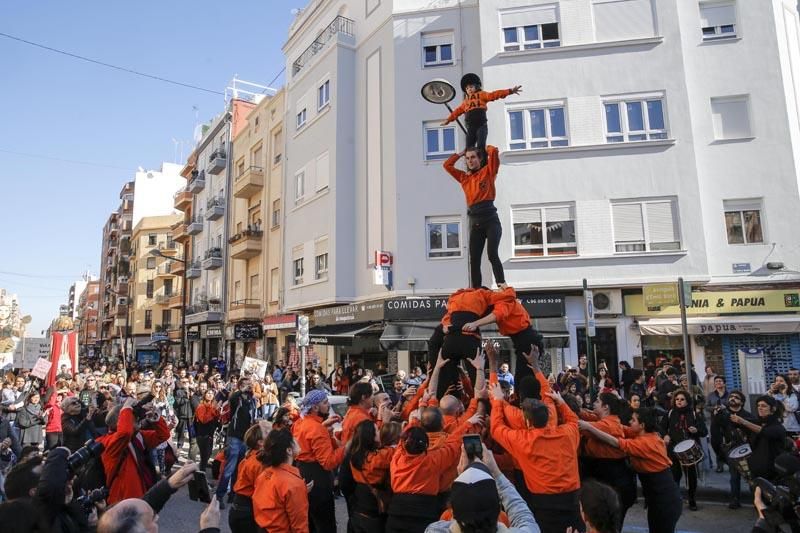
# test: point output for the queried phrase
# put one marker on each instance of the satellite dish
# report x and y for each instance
(438, 91)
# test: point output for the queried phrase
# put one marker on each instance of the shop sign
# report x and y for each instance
(434, 307)
(661, 294)
(212, 331)
(364, 312)
(247, 331)
(722, 303)
(159, 336)
(280, 322)
(543, 305)
(193, 333)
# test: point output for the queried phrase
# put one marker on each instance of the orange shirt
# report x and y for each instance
(352, 418)
(598, 449)
(478, 186)
(376, 467)
(451, 422)
(249, 470)
(548, 456)
(420, 474)
(502, 517)
(450, 473)
(280, 500)
(477, 100)
(511, 316)
(648, 453)
(413, 403)
(475, 301)
(316, 444)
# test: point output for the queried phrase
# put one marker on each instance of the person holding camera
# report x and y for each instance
(718, 398)
(243, 412)
(76, 423)
(782, 391)
(129, 445)
(733, 434)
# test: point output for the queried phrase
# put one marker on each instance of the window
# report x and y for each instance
(743, 221)
(323, 95)
(166, 318)
(646, 226)
(152, 239)
(274, 284)
(276, 213)
(254, 287)
(544, 231)
(619, 20)
(730, 117)
(440, 141)
(444, 237)
(299, 186)
(167, 287)
(718, 20)
(635, 120)
(323, 172)
(277, 146)
(298, 271)
(148, 319)
(437, 49)
(301, 118)
(237, 290)
(531, 37)
(321, 266)
(149, 288)
(151, 263)
(537, 128)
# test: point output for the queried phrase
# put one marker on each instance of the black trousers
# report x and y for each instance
(485, 231)
(52, 440)
(476, 136)
(691, 475)
(663, 498)
(205, 444)
(556, 512)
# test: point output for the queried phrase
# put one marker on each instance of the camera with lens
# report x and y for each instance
(92, 449)
(139, 410)
(783, 497)
(88, 499)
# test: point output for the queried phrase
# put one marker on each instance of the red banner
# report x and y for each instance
(63, 351)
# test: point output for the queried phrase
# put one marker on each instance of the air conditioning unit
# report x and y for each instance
(607, 301)
(122, 300)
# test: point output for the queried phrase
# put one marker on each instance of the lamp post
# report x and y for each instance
(440, 91)
(157, 253)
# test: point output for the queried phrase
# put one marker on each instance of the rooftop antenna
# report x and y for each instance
(175, 143)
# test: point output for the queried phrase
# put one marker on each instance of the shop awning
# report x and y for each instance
(722, 325)
(341, 334)
(413, 336)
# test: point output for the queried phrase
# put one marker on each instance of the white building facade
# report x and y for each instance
(652, 140)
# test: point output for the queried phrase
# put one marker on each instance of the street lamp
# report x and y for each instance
(439, 91)
(184, 289)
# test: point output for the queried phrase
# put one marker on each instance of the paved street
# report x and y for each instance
(182, 515)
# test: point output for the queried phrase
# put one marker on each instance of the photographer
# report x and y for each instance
(128, 444)
(732, 434)
(54, 495)
(76, 423)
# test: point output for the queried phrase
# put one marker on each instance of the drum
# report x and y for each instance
(737, 459)
(688, 452)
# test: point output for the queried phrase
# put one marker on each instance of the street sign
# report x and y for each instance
(687, 294)
(660, 295)
(589, 303)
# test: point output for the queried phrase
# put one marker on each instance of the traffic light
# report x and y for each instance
(302, 330)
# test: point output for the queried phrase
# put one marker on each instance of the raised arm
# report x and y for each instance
(598, 434)
(450, 167)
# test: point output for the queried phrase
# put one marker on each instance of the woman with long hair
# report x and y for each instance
(769, 436)
(782, 391)
(164, 409)
(369, 462)
(341, 383)
(682, 423)
(280, 499)
(269, 396)
(206, 421)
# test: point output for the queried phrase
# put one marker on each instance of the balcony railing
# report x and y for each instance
(217, 161)
(215, 208)
(340, 24)
(249, 182)
(197, 182)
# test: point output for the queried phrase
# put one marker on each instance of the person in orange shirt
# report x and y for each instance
(548, 458)
(414, 474)
(650, 460)
(280, 497)
(478, 186)
(474, 107)
(370, 462)
(360, 402)
(320, 454)
(604, 462)
(240, 517)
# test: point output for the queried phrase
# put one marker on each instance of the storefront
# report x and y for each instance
(340, 335)
(244, 340)
(749, 335)
(279, 337)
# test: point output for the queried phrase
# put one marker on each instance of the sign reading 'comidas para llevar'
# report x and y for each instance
(722, 303)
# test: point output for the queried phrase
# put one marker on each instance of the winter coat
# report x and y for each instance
(183, 404)
(31, 423)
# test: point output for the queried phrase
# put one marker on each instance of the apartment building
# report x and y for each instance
(255, 243)
(73, 296)
(87, 317)
(154, 288)
(652, 140)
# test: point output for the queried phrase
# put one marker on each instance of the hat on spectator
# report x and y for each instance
(315, 397)
(474, 495)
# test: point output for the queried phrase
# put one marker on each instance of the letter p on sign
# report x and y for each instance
(383, 259)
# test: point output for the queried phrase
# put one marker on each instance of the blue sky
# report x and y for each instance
(52, 212)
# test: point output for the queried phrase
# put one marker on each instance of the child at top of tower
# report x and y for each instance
(474, 109)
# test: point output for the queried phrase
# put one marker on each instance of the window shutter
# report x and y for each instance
(297, 252)
(529, 17)
(321, 246)
(717, 15)
(437, 39)
(527, 216)
(616, 20)
(661, 223)
(323, 171)
(559, 214)
(628, 224)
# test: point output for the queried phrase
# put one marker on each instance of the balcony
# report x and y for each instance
(168, 248)
(195, 226)
(217, 161)
(197, 182)
(246, 244)
(174, 333)
(162, 271)
(215, 208)
(340, 26)
(122, 286)
(193, 270)
(244, 310)
(120, 310)
(183, 200)
(213, 259)
(163, 299)
(175, 301)
(179, 232)
(204, 312)
(127, 203)
(250, 182)
(176, 268)
(113, 231)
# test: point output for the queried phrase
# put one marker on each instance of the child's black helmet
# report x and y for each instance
(470, 79)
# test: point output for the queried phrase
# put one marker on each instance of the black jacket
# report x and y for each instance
(5, 432)
(51, 492)
(243, 412)
(767, 444)
(76, 430)
(183, 404)
(676, 425)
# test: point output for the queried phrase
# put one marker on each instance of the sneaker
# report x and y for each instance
(692, 505)
(734, 505)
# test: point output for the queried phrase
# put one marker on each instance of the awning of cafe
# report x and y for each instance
(342, 334)
(722, 325)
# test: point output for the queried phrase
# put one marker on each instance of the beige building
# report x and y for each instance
(253, 327)
(155, 291)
